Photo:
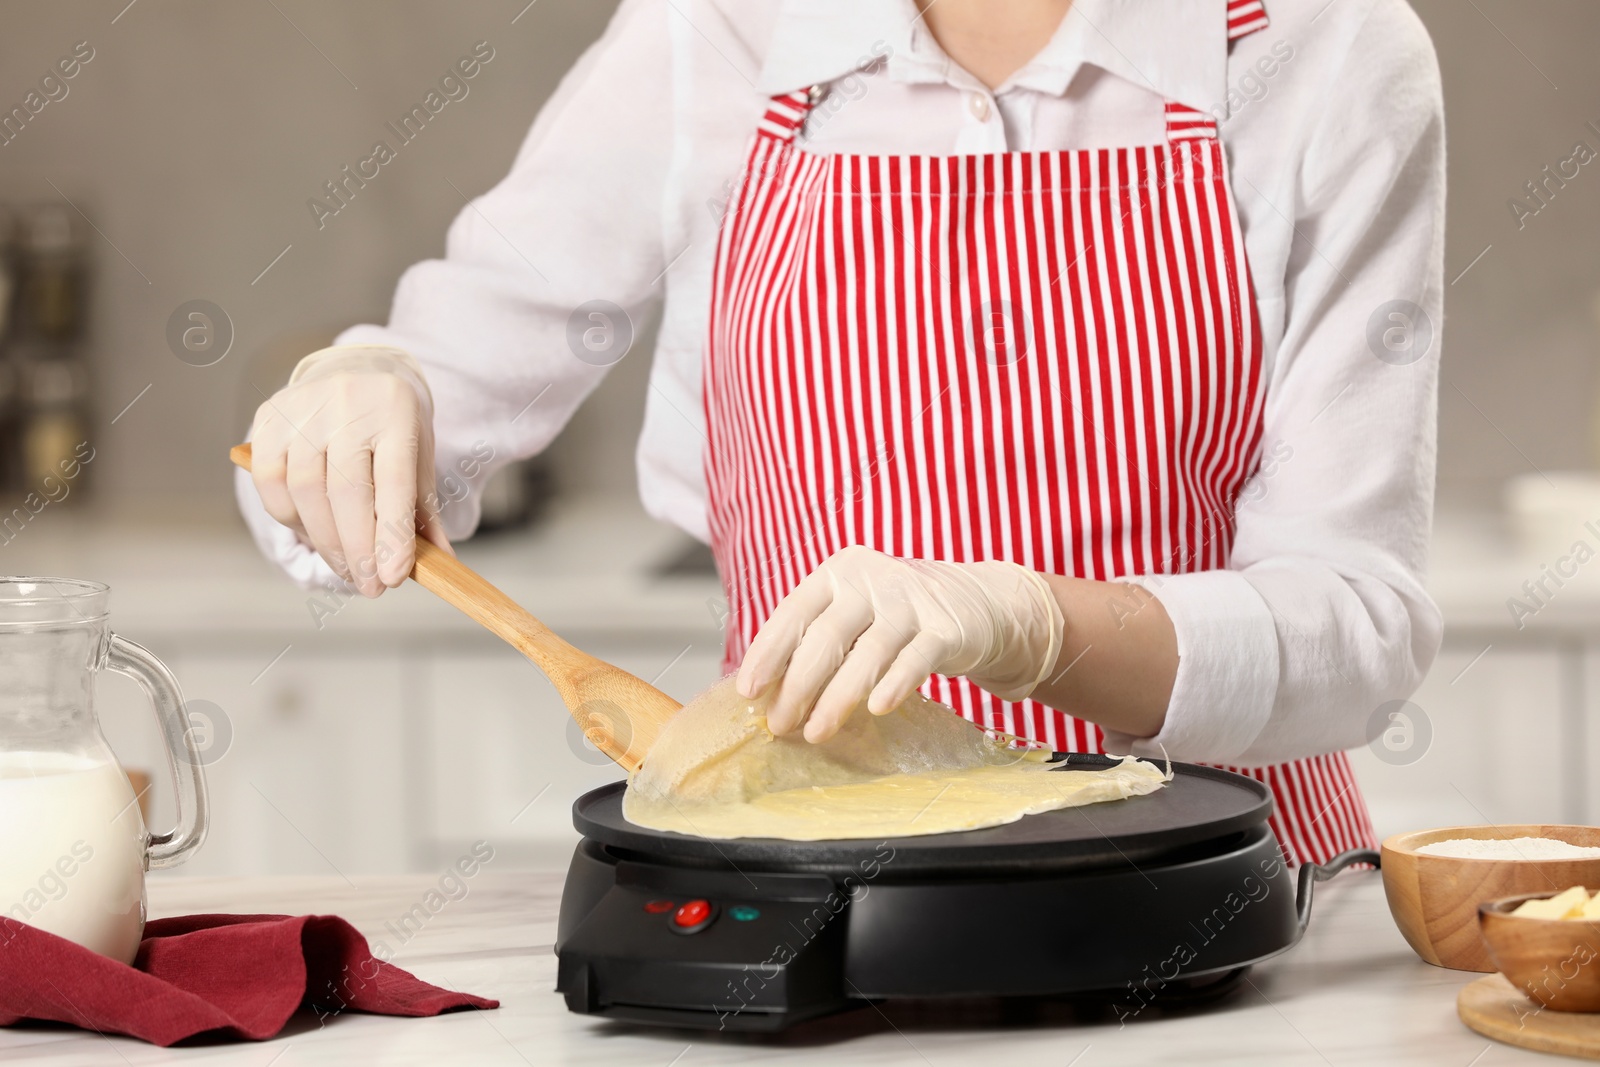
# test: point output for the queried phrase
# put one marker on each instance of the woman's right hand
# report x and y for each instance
(343, 455)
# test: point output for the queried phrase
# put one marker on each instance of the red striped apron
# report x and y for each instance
(1051, 358)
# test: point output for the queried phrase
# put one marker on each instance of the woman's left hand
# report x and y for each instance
(868, 626)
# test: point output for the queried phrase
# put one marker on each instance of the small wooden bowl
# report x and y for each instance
(1434, 899)
(1556, 962)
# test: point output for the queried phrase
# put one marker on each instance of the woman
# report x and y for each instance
(1078, 357)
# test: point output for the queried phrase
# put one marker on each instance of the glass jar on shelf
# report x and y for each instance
(10, 426)
(53, 424)
(52, 271)
(8, 271)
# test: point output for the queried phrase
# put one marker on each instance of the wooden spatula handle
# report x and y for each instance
(455, 583)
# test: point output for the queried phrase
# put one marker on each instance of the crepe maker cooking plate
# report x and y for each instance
(1133, 900)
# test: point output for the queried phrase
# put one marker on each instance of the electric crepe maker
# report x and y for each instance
(1150, 898)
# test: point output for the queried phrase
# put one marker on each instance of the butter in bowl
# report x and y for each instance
(1547, 945)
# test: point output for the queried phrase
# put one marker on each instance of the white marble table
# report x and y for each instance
(1351, 992)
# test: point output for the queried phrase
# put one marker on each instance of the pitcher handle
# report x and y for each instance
(135, 661)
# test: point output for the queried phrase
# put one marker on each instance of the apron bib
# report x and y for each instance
(1051, 358)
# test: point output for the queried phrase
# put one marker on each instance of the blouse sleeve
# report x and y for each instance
(1321, 616)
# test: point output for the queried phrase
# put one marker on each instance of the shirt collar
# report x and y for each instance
(1176, 48)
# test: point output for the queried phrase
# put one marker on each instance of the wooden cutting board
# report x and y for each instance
(1495, 1008)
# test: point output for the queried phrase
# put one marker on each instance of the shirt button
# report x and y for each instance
(978, 104)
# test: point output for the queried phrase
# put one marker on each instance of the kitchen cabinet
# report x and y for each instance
(505, 759)
(397, 732)
(1493, 756)
(375, 761)
(390, 732)
(306, 767)
(380, 756)
(314, 778)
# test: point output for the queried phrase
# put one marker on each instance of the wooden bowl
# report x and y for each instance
(1556, 962)
(1434, 899)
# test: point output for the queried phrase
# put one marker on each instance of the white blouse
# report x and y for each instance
(1333, 121)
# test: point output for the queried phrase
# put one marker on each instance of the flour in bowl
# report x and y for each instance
(1515, 848)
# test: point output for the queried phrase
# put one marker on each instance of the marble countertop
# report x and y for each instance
(1351, 992)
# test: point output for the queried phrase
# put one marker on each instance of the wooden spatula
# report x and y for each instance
(620, 714)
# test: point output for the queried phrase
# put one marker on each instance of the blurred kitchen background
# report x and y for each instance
(169, 177)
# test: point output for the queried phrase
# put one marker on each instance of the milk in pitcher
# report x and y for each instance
(72, 846)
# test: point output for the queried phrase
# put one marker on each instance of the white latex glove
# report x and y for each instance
(869, 626)
(343, 455)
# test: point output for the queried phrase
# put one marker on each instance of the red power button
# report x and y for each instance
(692, 916)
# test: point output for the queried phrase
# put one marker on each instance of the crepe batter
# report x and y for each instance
(717, 771)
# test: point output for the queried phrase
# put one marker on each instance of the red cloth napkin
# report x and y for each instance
(230, 976)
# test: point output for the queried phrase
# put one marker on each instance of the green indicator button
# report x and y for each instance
(744, 912)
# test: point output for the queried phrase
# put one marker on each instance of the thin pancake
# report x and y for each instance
(717, 771)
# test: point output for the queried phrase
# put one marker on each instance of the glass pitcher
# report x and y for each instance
(73, 845)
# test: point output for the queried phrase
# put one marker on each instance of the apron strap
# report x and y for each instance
(786, 113)
(1245, 17)
(1184, 123)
